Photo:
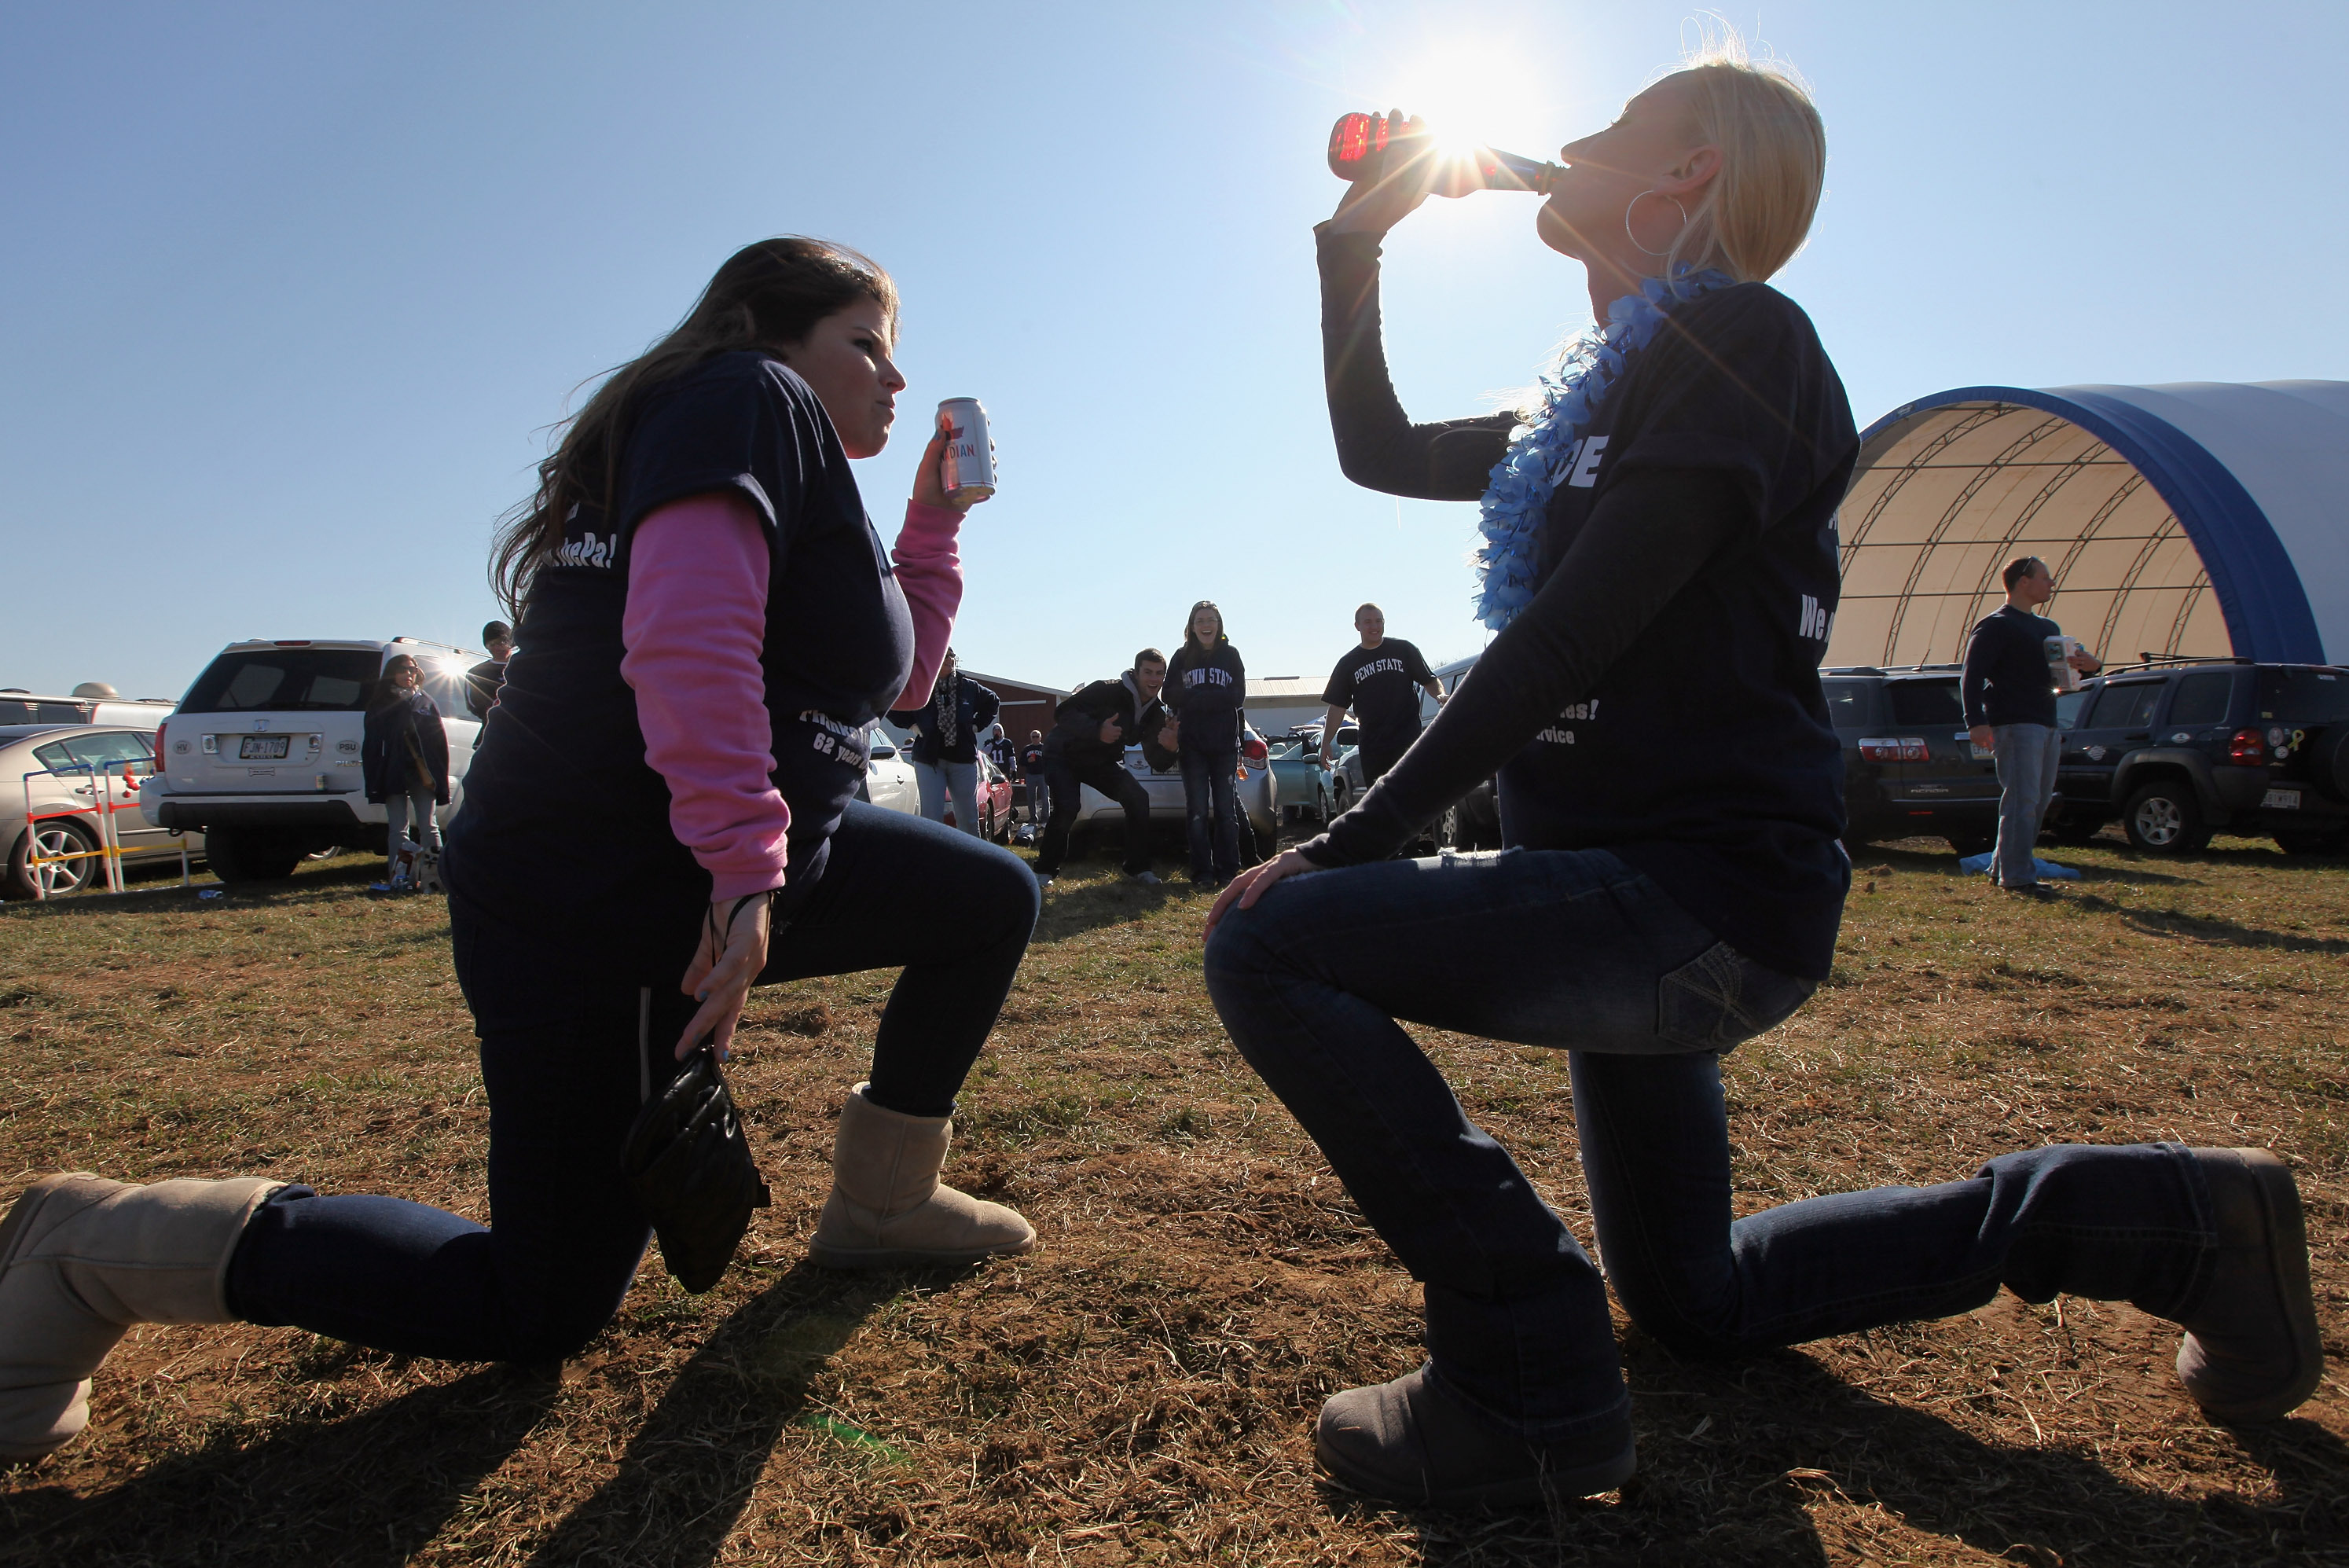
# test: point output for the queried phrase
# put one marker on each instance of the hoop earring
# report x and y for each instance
(1643, 250)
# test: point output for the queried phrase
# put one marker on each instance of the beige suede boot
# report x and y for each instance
(887, 1209)
(81, 1259)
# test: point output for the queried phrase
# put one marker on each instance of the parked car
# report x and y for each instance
(1299, 781)
(50, 774)
(262, 755)
(2175, 750)
(995, 802)
(1254, 785)
(18, 706)
(1472, 822)
(1910, 770)
(889, 781)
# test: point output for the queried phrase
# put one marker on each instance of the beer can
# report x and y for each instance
(970, 468)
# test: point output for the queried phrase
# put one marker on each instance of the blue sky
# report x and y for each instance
(289, 295)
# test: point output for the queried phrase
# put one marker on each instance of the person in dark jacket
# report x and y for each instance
(1207, 685)
(1031, 773)
(1093, 726)
(404, 764)
(1661, 561)
(482, 681)
(2012, 662)
(945, 743)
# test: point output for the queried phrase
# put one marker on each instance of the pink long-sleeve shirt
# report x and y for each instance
(695, 625)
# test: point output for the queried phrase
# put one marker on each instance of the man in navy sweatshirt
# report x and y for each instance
(2010, 697)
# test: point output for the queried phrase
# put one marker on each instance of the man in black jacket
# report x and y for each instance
(2012, 673)
(1087, 746)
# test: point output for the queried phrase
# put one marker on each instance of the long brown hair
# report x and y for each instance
(766, 295)
(1190, 639)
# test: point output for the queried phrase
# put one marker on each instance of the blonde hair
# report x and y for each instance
(1758, 211)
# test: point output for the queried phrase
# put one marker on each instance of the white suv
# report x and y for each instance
(262, 755)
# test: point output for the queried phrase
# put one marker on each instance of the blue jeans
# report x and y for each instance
(2027, 754)
(1210, 814)
(562, 1067)
(1576, 951)
(938, 781)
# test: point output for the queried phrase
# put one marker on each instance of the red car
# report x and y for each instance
(994, 802)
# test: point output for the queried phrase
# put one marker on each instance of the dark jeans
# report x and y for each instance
(561, 1065)
(1211, 812)
(1063, 777)
(1575, 949)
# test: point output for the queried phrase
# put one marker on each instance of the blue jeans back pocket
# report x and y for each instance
(1721, 999)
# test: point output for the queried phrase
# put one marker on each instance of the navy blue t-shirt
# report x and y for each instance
(1705, 756)
(1701, 752)
(562, 810)
(1381, 685)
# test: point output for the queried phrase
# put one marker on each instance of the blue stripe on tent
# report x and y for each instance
(2258, 588)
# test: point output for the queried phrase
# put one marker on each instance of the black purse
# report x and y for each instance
(689, 1166)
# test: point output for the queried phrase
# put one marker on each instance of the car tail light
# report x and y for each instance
(1256, 750)
(1893, 749)
(158, 743)
(2247, 747)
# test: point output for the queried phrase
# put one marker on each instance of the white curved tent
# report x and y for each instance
(2199, 518)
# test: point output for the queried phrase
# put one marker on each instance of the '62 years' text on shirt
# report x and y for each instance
(563, 810)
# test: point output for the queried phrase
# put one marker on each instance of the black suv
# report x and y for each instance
(1908, 769)
(2178, 750)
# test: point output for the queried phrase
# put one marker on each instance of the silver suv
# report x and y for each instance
(262, 755)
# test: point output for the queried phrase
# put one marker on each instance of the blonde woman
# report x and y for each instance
(1660, 556)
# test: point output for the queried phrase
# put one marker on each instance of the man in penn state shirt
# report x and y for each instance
(2010, 697)
(1381, 681)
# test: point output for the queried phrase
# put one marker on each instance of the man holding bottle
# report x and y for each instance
(2012, 665)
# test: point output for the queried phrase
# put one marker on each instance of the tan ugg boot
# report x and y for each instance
(2251, 1350)
(887, 1209)
(81, 1259)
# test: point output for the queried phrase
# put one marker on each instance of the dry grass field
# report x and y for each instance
(1140, 1389)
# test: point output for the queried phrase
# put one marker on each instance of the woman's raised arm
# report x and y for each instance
(1377, 446)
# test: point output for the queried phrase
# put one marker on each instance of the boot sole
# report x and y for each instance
(2288, 1254)
(1515, 1491)
(853, 1258)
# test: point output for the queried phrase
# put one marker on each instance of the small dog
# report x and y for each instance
(426, 877)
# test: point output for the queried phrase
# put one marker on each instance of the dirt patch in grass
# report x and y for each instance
(1140, 1389)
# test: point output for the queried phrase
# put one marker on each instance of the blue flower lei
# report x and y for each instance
(1524, 479)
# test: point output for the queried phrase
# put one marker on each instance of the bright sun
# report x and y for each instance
(1470, 93)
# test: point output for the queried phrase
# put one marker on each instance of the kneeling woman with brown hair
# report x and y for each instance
(1660, 554)
(661, 813)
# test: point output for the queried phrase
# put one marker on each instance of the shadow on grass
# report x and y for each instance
(688, 1472)
(2212, 929)
(157, 890)
(1732, 1459)
(374, 1487)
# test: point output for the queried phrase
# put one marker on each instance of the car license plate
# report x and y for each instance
(2281, 800)
(262, 748)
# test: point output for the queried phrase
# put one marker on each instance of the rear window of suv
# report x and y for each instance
(1921, 703)
(2202, 698)
(285, 680)
(2303, 696)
